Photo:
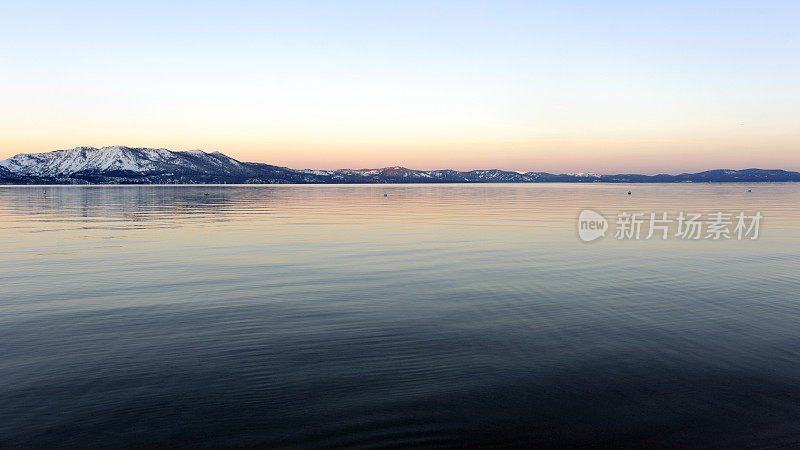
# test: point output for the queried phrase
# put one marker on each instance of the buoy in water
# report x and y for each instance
(384, 195)
(629, 192)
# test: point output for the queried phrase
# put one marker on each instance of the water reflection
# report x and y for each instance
(449, 315)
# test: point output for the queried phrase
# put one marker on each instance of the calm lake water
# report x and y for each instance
(437, 315)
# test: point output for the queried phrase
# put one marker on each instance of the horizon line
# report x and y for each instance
(574, 173)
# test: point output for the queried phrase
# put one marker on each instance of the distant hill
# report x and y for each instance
(127, 165)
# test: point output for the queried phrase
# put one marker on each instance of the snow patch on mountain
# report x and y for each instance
(62, 163)
(83, 159)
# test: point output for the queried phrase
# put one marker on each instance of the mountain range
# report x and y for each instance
(127, 165)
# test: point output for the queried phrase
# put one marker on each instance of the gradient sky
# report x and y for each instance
(522, 85)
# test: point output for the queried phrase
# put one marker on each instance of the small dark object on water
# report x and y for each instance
(206, 194)
(384, 195)
(749, 190)
(629, 192)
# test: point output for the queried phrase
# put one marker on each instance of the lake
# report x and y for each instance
(394, 315)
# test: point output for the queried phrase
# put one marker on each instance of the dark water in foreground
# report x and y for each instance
(330, 316)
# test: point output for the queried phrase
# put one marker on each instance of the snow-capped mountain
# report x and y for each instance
(122, 165)
(119, 164)
(64, 163)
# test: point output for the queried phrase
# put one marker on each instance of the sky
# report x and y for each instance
(557, 86)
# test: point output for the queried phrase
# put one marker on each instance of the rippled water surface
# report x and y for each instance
(437, 315)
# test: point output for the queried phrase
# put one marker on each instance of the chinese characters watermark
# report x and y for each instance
(684, 226)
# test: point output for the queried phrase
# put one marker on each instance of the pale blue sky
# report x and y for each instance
(559, 86)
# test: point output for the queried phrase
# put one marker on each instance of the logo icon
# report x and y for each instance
(591, 225)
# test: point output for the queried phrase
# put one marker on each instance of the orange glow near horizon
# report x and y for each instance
(546, 155)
